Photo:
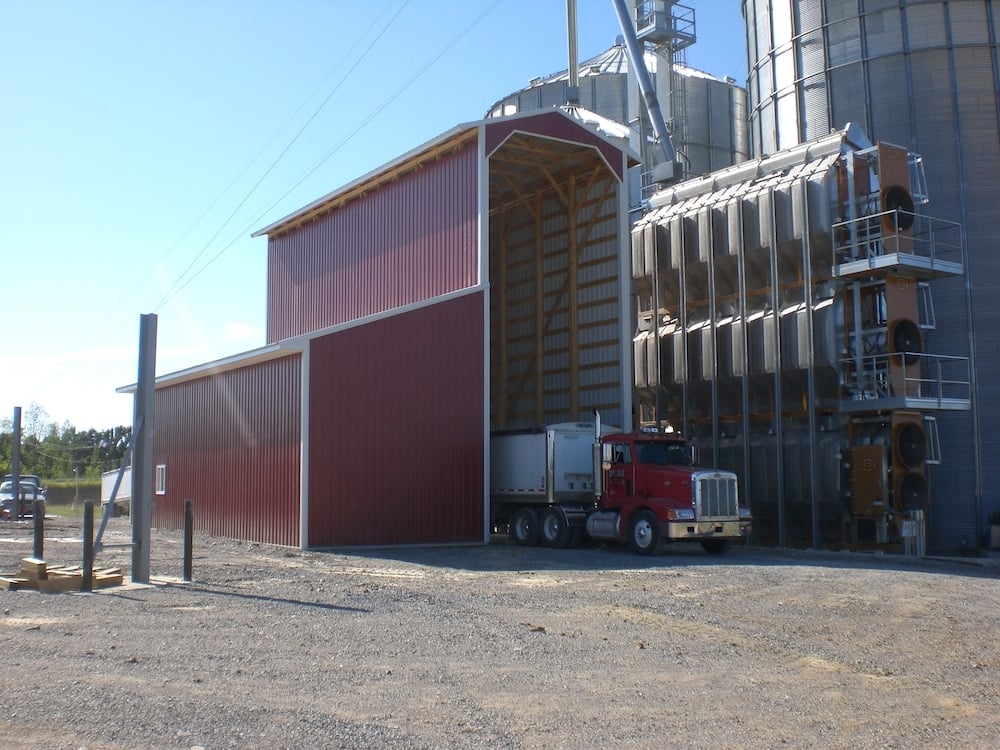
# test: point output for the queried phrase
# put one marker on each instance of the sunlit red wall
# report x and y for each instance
(409, 240)
(231, 443)
(396, 429)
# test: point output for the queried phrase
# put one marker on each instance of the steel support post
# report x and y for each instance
(142, 462)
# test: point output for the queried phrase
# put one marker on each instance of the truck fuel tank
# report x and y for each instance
(604, 525)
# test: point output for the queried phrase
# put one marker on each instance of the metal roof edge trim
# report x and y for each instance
(232, 362)
(850, 137)
(458, 134)
(611, 168)
(626, 149)
(301, 342)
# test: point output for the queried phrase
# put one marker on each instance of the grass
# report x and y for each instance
(67, 511)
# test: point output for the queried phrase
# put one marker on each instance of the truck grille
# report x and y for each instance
(717, 496)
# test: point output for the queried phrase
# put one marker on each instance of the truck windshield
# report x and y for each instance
(664, 453)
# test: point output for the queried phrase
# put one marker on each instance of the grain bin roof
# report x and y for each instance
(614, 61)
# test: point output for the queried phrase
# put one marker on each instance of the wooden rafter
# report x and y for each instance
(545, 179)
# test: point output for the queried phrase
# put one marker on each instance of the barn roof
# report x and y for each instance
(579, 127)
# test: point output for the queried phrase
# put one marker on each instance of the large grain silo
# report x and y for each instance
(706, 115)
(921, 74)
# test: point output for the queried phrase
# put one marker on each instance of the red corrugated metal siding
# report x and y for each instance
(409, 240)
(396, 429)
(232, 443)
(553, 125)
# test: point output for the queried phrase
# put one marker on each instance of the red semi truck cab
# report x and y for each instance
(649, 481)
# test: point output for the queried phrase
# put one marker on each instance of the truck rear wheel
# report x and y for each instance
(524, 527)
(644, 532)
(554, 528)
(716, 546)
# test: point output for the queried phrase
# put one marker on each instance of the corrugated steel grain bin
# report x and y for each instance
(923, 74)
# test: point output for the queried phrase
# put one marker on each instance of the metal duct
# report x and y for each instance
(726, 348)
(675, 250)
(793, 338)
(573, 89)
(642, 250)
(637, 64)
(762, 356)
(643, 351)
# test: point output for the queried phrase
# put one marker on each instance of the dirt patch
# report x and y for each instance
(500, 646)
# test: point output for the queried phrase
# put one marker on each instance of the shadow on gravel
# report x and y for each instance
(203, 589)
(501, 555)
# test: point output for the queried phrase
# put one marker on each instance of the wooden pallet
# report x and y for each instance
(36, 575)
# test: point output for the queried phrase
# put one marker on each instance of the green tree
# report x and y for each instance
(62, 452)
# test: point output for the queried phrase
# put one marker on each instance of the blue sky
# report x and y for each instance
(143, 141)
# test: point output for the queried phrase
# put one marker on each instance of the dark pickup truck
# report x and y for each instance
(16, 505)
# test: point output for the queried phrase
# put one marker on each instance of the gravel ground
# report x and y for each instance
(500, 647)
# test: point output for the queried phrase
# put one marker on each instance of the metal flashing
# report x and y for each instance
(225, 364)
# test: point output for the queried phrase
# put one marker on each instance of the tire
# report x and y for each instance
(553, 528)
(524, 527)
(716, 546)
(644, 532)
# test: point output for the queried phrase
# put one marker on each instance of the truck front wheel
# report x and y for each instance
(644, 532)
(524, 527)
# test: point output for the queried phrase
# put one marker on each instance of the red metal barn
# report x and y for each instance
(478, 282)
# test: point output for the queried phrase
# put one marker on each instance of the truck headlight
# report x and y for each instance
(683, 514)
(744, 513)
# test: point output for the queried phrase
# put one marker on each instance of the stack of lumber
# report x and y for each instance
(35, 574)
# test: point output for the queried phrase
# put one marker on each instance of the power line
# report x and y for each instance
(181, 282)
(379, 22)
(357, 129)
(170, 293)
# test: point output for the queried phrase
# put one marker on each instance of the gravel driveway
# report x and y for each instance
(500, 647)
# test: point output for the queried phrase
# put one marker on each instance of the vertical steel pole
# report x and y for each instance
(188, 538)
(745, 378)
(779, 428)
(573, 89)
(38, 516)
(15, 460)
(713, 330)
(88, 546)
(658, 393)
(142, 454)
